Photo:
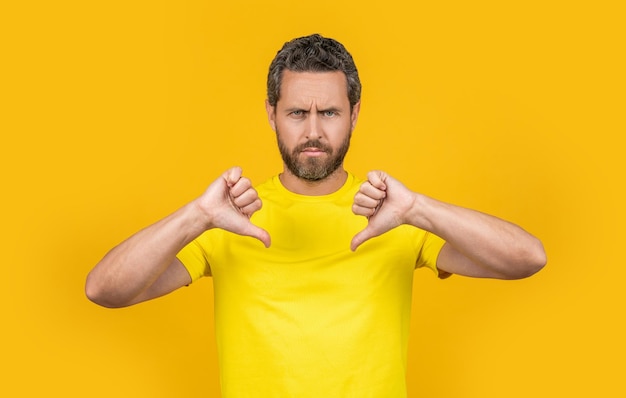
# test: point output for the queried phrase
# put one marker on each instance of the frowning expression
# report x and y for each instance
(313, 122)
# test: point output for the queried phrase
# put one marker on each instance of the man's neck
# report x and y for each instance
(325, 186)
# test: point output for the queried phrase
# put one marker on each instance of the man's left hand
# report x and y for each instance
(384, 201)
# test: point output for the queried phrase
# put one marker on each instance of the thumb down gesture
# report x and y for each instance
(385, 202)
(231, 200)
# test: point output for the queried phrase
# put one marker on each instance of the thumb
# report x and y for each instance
(256, 232)
(263, 236)
(361, 237)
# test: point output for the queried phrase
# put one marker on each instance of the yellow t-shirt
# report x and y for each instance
(308, 317)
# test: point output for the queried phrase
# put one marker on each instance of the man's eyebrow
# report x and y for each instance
(330, 109)
(296, 108)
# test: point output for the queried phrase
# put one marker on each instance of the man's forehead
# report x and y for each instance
(328, 86)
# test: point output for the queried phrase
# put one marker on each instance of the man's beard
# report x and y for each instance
(313, 168)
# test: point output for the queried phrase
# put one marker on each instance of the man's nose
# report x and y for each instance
(313, 127)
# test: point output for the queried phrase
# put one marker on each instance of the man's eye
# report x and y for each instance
(329, 113)
(297, 113)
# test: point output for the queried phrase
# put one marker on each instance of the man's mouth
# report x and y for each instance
(312, 151)
(312, 146)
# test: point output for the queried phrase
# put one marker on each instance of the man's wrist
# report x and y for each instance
(417, 215)
(199, 218)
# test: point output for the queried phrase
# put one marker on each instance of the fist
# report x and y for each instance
(384, 201)
(229, 202)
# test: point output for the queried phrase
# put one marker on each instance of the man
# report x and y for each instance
(311, 299)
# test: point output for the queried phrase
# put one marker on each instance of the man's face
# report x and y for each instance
(313, 122)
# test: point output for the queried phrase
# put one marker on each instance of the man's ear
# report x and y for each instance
(271, 114)
(355, 115)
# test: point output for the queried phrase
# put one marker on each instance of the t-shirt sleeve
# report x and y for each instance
(431, 245)
(194, 258)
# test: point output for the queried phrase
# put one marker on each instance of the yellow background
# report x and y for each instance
(116, 113)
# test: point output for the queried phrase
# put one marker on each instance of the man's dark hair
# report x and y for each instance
(313, 53)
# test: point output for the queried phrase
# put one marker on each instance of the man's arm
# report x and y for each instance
(477, 244)
(145, 266)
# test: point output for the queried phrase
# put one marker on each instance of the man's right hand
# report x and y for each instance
(229, 202)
